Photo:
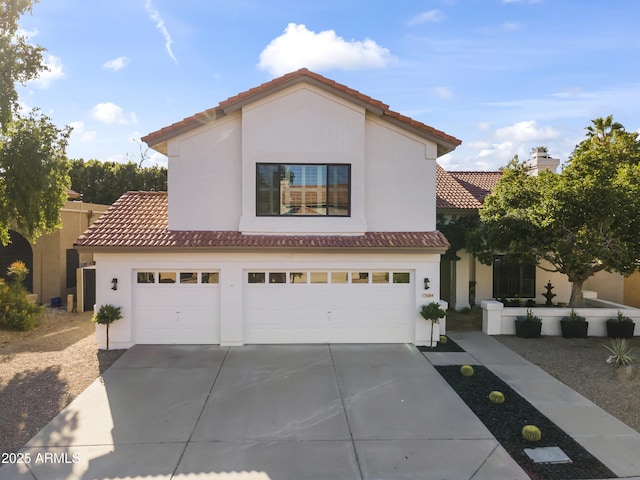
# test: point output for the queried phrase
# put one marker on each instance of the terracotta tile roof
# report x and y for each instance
(139, 220)
(450, 194)
(463, 190)
(157, 139)
(479, 184)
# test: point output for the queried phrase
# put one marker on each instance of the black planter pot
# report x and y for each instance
(574, 328)
(616, 329)
(528, 329)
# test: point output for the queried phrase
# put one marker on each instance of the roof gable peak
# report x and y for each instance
(157, 140)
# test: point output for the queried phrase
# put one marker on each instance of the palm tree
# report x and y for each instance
(604, 129)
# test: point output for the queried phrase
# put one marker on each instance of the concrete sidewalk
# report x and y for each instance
(303, 412)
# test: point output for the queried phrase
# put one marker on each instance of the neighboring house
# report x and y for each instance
(466, 281)
(632, 290)
(52, 259)
(300, 211)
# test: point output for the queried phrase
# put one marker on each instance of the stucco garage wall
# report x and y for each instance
(233, 268)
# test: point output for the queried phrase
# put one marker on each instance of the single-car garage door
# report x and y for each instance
(176, 306)
(304, 306)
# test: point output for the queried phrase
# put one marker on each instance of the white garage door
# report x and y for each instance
(329, 307)
(176, 307)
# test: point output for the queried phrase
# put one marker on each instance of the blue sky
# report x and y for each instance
(503, 76)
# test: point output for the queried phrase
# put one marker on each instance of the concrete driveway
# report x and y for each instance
(267, 413)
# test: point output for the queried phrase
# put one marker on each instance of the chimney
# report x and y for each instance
(540, 160)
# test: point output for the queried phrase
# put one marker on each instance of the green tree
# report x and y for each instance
(581, 221)
(105, 182)
(33, 176)
(19, 61)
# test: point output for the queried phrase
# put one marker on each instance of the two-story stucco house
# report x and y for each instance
(300, 211)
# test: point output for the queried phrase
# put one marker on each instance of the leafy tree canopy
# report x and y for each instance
(33, 176)
(105, 182)
(19, 61)
(455, 228)
(580, 221)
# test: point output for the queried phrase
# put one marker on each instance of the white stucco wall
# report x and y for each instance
(232, 268)
(400, 179)
(212, 170)
(204, 180)
(302, 124)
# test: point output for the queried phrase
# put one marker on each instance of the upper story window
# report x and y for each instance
(303, 190)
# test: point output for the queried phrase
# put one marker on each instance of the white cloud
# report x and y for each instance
(81, 133)
(527, 131)
(110, 113)
(299, 47)
(431, 16)
(442, 92)
(21, 32)
(155, 16)
(116, 64)
(55, 70)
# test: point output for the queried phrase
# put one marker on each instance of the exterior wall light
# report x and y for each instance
(114, 284)
(426, 283)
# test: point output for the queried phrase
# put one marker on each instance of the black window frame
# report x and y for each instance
(520, 279)
(281, 167)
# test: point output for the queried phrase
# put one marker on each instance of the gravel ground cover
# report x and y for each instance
(506, 420)
(448, 346)
(581, 364)
(43, 370)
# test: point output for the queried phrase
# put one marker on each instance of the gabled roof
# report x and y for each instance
(463, 190)
(157, 140)
(139, 220)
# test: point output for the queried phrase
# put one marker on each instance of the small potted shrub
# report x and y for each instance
(574, 325)
(106, 315)
(432, 312)
(528, 326)
(620, 327)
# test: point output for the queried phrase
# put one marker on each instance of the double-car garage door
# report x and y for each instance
(293, 306)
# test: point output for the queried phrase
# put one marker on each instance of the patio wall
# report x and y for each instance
(499, 320)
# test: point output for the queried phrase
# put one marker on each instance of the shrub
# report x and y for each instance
(18, 271)
(106, 315)
(529, 317)
(621, 352)
(622, 317)
(16, 312)
(443, 339)
(433, 312)
(574, 317)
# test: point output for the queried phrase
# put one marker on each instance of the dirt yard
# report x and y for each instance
(43, 370)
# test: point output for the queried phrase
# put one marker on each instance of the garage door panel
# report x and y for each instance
(176, 313)
(329, 313)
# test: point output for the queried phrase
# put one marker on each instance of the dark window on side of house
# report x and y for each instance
(513, 280)
(303, 190)
(73, 263)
